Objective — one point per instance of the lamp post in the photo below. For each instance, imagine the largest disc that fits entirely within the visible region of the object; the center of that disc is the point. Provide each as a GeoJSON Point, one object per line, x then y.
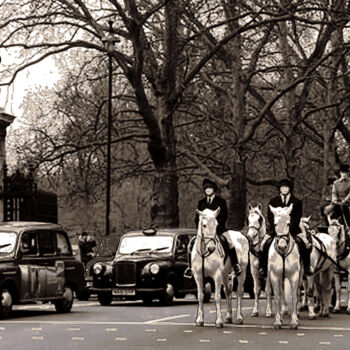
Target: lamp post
{"type": "Point", "coordinates": [109, 42]}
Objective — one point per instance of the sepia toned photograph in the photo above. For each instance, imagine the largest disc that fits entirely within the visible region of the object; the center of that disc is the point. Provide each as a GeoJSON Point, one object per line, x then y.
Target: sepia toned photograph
{"type": "Point", "coordinates": [174, 174]}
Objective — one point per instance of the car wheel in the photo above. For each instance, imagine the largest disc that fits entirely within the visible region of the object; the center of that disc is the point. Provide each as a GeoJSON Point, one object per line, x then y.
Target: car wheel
{"type": "Point", "coordinates": [207, 292]}
{"type": "Point", "coordinates": [105, 299]}
{"type": "Point", "coordinates": [82, 296]}
{"type": "Point", "coordinates": [6, 302]}
{"type": "Point", "coordinates": [168, 296]}
{"type": "Point", "coordinates": [65, 304]}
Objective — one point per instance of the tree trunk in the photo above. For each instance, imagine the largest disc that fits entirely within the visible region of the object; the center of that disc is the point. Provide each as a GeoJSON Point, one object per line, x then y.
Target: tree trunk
{"type": "Point", "coordinates": [238, 197]}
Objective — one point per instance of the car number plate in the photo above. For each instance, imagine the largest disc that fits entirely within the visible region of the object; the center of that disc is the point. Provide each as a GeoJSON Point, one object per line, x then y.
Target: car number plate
{"type": "Point", "coordinates": [123, 291]}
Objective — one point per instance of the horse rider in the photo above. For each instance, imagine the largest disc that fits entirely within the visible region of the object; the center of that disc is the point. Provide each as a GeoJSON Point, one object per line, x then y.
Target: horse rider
{"type": "Point", "coordinates": [285, 199]}
{"type": "Point", "coordinates": [341, 195]}
{"type": "Point", "coordinates": [213, 201]}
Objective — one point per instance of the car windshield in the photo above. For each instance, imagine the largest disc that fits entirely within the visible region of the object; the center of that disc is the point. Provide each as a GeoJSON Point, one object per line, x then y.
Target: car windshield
{"type": "Point", "coordinates": [7, 242]}
{"type": "Point", "coordinates": [146, 244]}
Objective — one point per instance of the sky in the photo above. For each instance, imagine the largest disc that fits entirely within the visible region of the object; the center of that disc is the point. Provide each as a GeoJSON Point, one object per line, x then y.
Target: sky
{"type": "Point", "coordinates": [44, 73]}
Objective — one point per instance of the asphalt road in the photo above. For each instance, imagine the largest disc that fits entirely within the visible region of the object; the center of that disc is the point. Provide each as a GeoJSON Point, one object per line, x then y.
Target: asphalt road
{"type": "Point", "coordinates": [132, 325]}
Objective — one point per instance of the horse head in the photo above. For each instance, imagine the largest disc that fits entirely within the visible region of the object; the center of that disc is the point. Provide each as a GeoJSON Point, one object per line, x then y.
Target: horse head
{"type": "Point", "coordinates": [207, 222]}
{"type": "Point", "coordinates": [336, 231]}
{"type": "Point", "coordinates": [282, 223]}
{"type": "Point", "coordinates": [256, 224]}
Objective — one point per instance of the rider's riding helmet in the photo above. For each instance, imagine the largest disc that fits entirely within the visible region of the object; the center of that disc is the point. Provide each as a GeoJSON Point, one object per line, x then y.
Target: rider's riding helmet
{"type": "Point", "coordinates": [208, 183]}
{"type": "Point", "coordinates": [286, 182]}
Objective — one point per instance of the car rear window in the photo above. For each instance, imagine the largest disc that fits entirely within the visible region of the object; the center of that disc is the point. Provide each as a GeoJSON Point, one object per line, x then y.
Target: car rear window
{"type": "Point", "coordinates": [47, 242]}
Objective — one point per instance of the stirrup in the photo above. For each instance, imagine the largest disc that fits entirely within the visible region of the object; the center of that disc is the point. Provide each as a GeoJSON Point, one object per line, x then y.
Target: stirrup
{"type": "Point", "coordinates": [188, 273]}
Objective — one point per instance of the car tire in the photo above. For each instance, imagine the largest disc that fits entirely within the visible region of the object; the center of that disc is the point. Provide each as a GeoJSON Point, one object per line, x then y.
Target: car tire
{"type": "Point", "coordinates": [65, 305]}
{"type": "Point", "coordinates": [168, 296]}
{"type": "Point", "coordinates": [6, 302]}
{"type": "Point", "coordinates": [105, 299]}
{"type": "Point", "coordinates": [82, 296]}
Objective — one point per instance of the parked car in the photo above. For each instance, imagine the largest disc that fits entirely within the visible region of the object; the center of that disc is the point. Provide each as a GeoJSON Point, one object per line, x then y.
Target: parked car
{"type": "Point", "coordinates": [37, 264]}
{"type": "Point", "coordinates": [104, 252]}
{"type": "Point", "coordinates": [148, 265]}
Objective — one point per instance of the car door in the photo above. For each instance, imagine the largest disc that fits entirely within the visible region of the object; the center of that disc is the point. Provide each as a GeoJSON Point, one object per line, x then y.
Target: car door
{"type": "Point", "coordinates": [32, 275]}
{"type": "Point", "coordinates": [52, 266]}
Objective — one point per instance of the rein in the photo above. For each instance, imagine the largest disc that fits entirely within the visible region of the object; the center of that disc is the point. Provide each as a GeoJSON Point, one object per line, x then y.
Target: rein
{"type": "Point", "coordinates": [252, 245]}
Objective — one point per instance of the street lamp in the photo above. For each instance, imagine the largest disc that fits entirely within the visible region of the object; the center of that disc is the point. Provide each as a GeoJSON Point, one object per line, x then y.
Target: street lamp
{"type": "Point", "coordinates": [109, 42]}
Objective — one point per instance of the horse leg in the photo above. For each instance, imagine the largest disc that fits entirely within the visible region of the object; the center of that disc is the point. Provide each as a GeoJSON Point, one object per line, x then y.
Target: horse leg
{"type": "Point", "coordinates": [326, 291]}
{"type": "Point", "coordinates": [348, 294]}
{"type": "Point", "coordinates": [228, 286]}
{"type": "Point", "coordinates": [268, 311]}
{"type": "Point", "coordinates": [294, 283]}
{"type": "Point", "coordinates": [257, 287]}
{"type": "Point", "coordinates": [200, 296]}
{"type": "Point", "coordinates": [303, 298]}
{"type": "Point", "coordinates": [218, 283]}
{"type": "Point", "coordinates": [310, 297]}
{"type": "Point", "coordinates": [240, 291]}
{"type": "Point", "coordinates": [336, 308]}
{"type": "Point", "coordinates": [275, 282]}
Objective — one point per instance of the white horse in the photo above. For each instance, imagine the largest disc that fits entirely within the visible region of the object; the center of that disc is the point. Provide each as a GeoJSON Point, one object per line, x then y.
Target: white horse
{"type": "Point", "coordinates": [209, 262]}
{"type": "Point", "coordinates": [322, 253]}
{"type": "Point", "coordinates": [256, 233]}
{"type": "Point", "coordinates": [284, 263]}
{"type": "Point", "coordinates": [338, 232]}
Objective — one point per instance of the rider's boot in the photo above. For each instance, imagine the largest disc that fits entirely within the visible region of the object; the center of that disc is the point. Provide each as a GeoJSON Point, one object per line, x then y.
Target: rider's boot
{"type": "Point", "coordinates": [309, 271]}
{"type": "Point", "coordinates": [234, 260]}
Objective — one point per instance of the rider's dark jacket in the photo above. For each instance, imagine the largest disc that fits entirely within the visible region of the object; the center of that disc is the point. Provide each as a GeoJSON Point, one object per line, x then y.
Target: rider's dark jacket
{"type": "Point", "coordinates": [295, 214]}
{"type": "Point", "coordinates": [216, 203]}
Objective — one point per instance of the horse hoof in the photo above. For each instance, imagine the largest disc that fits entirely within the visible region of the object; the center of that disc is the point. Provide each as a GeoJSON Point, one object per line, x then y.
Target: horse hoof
{"type": "Point", "coordinates": [268, 315]}
{"type": "Point", "coordinates": [312, 317]}
{"type": "Point", "coordinates": [219, 325]}
{"type": "Point", "coordinates": [239, 321]}
{"type": "Point", "coordinates": [254, 314]}
{"type": "Point", "coordinates": [294, 326]}
{"type": "Point", "coordinates": [336, 311]}
{"type": "Point", "coordinates": [276, 326]}
{"type": "Point", "coordinates": [228, 320]}
{"type": "Point", "coordinates": [200, 324]}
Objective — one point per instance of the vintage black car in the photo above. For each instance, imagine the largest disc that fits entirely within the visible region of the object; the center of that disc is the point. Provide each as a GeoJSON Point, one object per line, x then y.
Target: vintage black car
{"type": "Point", "coordinates": [37, 264]}
{"type": "Point", "coordinates": [148, 265]}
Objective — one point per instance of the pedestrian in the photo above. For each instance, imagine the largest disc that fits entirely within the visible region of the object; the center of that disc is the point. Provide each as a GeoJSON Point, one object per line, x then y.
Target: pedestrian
{"type": "Point", "coordinates": [284, 199]}
{"type": "Point", "coordinates": [213, 201]}
{"type": "Point", "coordinates": [341, 195]}
{"type": "Point", "coordinates": [86, 244]}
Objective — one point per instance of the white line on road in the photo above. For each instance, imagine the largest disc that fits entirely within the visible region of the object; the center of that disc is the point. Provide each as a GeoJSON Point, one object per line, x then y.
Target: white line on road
{"type": "Point", "coordinates": [283, 342]}
{"type": "Point", "coordinates": [150, 330]}
{"type": "Point", "coordinates": [2, 328]}
{"type": "Point", "coordinates": [324, 343]}
{"type": "Point", "coordinates": [162, 339]}
{"type": "Point", "coordinates": [37, 337]}
{"type": "Point", "coordinates": [338, 335]}
{"type": "Point", "coordinates": [73, 329]}
{"type": "Point", "coordinates": [167, 318]}
{"type": "Point", "coordinates": [204, 340]}
{"type": "Point", "coordinates": [243, 341]}
{"type": "Point", "coordinates": [188, 331]}
{"type": "Point", "coordinates": [111, 329]}
{"type": "Point", "coordinates": [120, 339]}
{"type": "Point", "coordinates": [300, 334]}
{"type": "Point", "coordinates": [262, 333]}
{"type": "Point", "coordinates": [227, 332]}
{"type": "Point", "coordinates": [77, 338]}
{"type": "Point", "coordinates": [37, 329]}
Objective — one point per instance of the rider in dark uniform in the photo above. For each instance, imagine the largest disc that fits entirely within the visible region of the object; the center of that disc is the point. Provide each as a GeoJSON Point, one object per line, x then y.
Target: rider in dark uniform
{"type": "Point", "coordinates": [285, 199]}
{"type": "Point", "coordinates": [212, 201]}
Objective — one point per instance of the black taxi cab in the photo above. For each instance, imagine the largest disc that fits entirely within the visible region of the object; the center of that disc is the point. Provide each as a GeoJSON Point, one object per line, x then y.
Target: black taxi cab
{"type": "Point", "coordinates": [149, 264]}
{"type": "Point", "coordinates": [37, 264]}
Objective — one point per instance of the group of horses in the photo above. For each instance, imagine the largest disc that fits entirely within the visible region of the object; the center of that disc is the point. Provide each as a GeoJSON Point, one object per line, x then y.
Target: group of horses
{"type": "Point", "coordinates": [285, 275]}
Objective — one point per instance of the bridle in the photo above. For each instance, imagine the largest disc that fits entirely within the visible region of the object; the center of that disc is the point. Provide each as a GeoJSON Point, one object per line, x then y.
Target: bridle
{"type": "Point", "coordinates": [253, 243]}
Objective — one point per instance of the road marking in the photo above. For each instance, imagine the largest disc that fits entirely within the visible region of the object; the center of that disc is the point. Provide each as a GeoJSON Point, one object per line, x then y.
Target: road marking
{"type": "Point", "coordinates": [227, 332]}
{"type": "Point", "coordinates": [167, 318]}
{"type": "Point", "coordinates": [242, 341]}
{"type": "Point", "coordinates": [0, 338]}
{"type": "Point", "coordinates": [120, 339]}
{"type": "Point", "coordinates": [324, 343]}
{"type": "Point", "coordinates": [73, 329]}
{"type": "Point", "coordinates": [150, 330]}
{"type": "Point", "coordinates": [2, 328]}
{"type": "Point", "coordinates": [283, 342]}
{"type": "Point", "coordinates": [162, 339]}
{"type": "Point", "coordinates": [204, 340]}
{"type": "Point", "coordinates": [338, 335]}
{"type": "Point", "coordinates": [300, 334]}
{"type": "Point", "coordinates": [38, 337]}
{"type": "Point", "coordinates": [77, 338]}
{"type": "Point", "coordinates": [111, 329]}
{"type": "Point", "coordinates": [262, 333]}
{"type": "Point", "coordinates": [37, 329]}
{"type": "Point", "coordinates": [188, 331]}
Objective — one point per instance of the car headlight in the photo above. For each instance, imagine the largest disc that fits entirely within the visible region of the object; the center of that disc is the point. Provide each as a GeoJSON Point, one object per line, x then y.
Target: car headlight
{"type": "Point", "coordinates": [97, 268]}
{"type": "Point", "coordinates": [154, 269]}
